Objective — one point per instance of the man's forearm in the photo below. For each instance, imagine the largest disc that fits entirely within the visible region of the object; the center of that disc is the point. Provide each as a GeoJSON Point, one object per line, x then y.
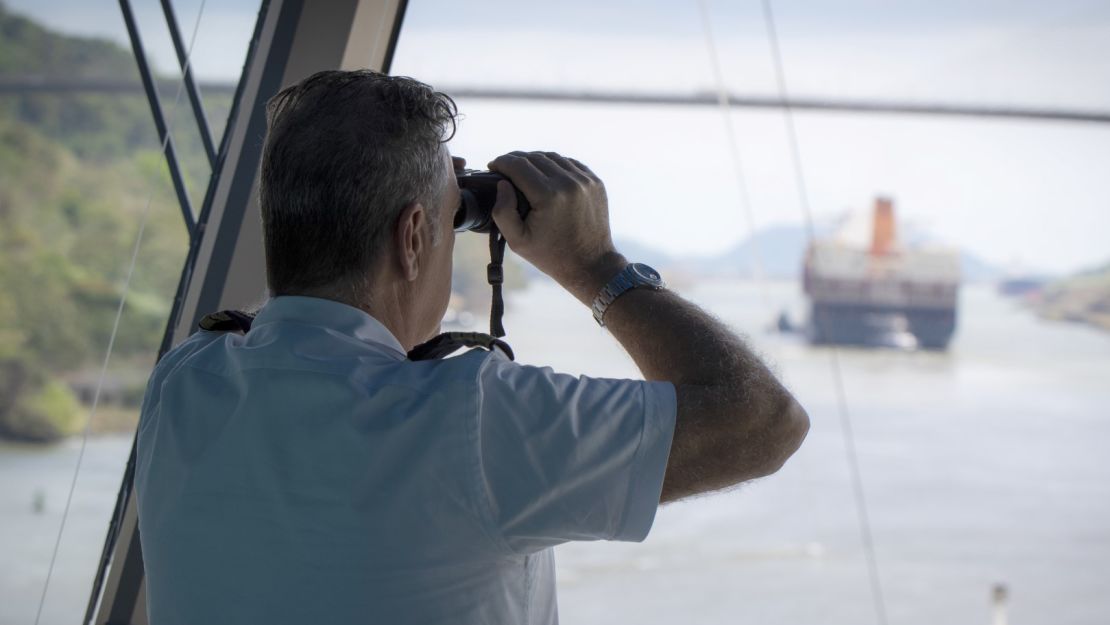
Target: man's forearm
{"type": "Point", "coordinates": [669, 338]}
{"type": "Point", "coordinates": [735, 420]}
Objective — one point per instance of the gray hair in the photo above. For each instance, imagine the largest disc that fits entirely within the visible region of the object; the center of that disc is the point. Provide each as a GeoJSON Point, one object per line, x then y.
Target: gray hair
{"type": "Point", "coordinates": [345, 153]}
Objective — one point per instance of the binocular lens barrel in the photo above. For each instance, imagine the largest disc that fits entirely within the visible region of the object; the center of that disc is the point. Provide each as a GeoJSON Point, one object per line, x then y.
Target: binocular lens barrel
{"type": "Point", "coordinates": [479, 193]}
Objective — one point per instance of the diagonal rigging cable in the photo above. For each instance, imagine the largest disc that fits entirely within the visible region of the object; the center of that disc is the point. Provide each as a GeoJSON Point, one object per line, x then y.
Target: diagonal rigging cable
{"type": "Point", "coordinates": [115, 326]}
{"type": "Point", "coordinates": [834, 353]}
{"type": "Point", "coordinates": [758, 271]}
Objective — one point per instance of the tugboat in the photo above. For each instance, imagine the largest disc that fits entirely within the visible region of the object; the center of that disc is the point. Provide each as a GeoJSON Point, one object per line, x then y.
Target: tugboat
{"type": "Point", "coordinates": [887, 294]}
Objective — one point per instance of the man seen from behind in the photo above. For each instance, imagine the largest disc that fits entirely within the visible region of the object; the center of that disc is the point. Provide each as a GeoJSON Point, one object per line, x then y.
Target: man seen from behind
{"type": "Point", "coordinates": [309, 471]}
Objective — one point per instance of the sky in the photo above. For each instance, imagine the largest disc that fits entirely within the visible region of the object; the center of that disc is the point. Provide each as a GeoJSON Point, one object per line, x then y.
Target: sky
{"type": "Point", "coordinates": [1030, 196]}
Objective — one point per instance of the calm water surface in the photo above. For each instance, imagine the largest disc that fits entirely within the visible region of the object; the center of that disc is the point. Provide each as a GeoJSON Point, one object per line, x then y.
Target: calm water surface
{"type": "Point", "coordinates": [987, 464]}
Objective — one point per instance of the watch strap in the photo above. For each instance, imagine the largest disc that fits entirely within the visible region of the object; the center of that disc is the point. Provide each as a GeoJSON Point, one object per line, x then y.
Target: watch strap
{"type": "Point", "coordinates": [626, 280]}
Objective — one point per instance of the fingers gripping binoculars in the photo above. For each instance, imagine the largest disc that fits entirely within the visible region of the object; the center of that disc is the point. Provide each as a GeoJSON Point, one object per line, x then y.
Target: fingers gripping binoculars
{"type": "Point", "coordinates": [479, 193]}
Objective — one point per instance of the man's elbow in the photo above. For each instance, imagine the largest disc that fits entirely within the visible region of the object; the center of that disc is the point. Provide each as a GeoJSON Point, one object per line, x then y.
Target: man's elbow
{"type": "Point", "coordinates": [785, 432]}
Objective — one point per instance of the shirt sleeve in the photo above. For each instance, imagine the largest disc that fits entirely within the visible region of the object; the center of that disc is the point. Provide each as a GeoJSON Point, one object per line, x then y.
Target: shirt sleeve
{"type": "Point", "coordinates": [570, 458]}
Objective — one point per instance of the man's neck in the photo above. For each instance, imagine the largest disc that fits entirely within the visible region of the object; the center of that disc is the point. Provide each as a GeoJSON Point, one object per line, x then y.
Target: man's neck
{"type": "Point", "coordinates": [392, 307]}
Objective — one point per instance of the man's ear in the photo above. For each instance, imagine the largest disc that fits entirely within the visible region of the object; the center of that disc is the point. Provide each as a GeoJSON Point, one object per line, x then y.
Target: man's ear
{"type": "Point", "coordinates": [410, 238]}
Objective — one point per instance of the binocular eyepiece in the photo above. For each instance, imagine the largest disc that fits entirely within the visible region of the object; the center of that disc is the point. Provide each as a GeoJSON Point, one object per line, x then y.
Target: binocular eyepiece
{"type": "Point", "coordinates": [479, 192]}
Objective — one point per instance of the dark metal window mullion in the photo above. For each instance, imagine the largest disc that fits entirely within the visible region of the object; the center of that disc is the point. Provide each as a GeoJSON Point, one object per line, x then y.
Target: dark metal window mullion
{"type": "Point", "coordinates": [190, 83]}
{"type": "Point", "coordinates": [159, 119]}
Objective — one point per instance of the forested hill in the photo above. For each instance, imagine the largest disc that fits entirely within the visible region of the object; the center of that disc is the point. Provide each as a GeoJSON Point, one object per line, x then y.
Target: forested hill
{"type": "Point", "coordinates": [94, 126]}
{"type": "Point", "coordinates": [76, 172]}
{"type": "Point", "coordinates": [26, 47]}
{"type": "Point", "coordinates": [1084, 298]}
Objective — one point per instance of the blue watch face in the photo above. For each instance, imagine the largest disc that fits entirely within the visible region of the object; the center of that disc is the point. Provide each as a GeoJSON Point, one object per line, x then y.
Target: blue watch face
{"type": "Point", "coordinates": [646, 273]}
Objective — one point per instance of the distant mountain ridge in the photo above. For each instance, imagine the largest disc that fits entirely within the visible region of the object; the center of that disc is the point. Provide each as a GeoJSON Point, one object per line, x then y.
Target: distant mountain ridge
{"type": "Point", "coordinates": [26, 47]}
{"type": "Point", "coordinates": [776, 251]}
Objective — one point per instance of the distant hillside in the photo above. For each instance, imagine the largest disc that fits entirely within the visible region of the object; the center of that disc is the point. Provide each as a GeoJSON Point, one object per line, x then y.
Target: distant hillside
{"type": "Point", "coordinates": [28, 48]}
{"type": "Point", "coordinates": [100, 126]}
{"type": "Point", "coordinates": [96, 126]}
{"type": "Point", "coordinates": [76, 172]}
{"type": "Point", "coordinates": [781, 250]}
{"type": "Point", "coordinates": [1083, 298]}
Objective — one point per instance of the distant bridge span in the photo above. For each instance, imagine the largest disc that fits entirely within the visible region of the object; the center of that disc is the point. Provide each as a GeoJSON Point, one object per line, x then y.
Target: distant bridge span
{"type": "Point", "coordinates": [26, 85]}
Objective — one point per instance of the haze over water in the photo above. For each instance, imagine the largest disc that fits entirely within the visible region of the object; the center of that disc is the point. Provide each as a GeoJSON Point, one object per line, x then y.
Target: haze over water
{"type": "Point", "coordinates": [982, 465]}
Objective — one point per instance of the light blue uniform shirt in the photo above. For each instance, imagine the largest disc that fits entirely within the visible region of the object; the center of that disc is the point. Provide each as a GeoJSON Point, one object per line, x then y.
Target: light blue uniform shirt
{"type": "Point", "coordinates": [309, 473]}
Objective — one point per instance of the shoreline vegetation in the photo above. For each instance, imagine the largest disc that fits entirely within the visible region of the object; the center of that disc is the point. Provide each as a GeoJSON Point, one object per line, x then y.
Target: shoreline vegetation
{"type": "Point", "coordinates": [1084, 298]}
{"type": "Point", "coordinates": [112, 420]}
{"type": "Point", "coordinates": [76, 172]}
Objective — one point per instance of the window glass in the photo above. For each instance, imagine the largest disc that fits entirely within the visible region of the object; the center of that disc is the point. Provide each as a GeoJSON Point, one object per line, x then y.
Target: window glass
{"type": "Point", "coordinates": [978, 343]}
{"type": "Point", "coordinates": [81, 175]}
{"type": "Point", "coordinates": [980, 454]}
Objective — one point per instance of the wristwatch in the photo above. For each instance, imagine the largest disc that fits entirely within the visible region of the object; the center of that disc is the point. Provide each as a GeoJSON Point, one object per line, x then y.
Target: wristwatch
{"type": "Point", "coordinates": [634, 275]}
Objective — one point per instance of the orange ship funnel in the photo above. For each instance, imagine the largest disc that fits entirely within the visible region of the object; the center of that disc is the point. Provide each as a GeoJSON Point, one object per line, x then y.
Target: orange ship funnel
{"type": "Point", "coordinates": [884, 237]}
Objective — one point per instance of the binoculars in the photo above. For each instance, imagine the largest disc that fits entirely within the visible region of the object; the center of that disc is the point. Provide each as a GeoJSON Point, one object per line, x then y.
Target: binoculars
{"type": "Point", "coordinates": [479, 192]}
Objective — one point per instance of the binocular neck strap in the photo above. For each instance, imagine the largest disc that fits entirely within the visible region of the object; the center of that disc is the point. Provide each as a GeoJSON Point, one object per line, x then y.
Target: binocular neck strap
{"type": "Point", "coordinates": [239, 322]}
{"type": "Point", "coordinates": [495, 275]}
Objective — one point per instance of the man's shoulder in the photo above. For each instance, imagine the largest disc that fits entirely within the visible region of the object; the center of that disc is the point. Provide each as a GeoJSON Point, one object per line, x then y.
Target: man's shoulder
{"type": "Point", "coordinates": [476, 368]}
{"type": "Point", "coordinates": [465, 368]}
{"type": "Point", "coordinates": [189, 347]}
{"type": "Point", "coordinates": [218, 353]}
{"type": "Point", "coordinates": [184, 352]}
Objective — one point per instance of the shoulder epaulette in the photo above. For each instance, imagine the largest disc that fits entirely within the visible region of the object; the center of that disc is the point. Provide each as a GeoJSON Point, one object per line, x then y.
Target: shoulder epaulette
{"type": "Point", "coordinates": [449, 342]}
{"type": "Point", "coordinates": [228, 321]}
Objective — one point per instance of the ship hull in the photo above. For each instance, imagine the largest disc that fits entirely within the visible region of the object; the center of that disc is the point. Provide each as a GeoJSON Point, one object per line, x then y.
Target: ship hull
{"type": "Point", "coordinates": [881, 326]}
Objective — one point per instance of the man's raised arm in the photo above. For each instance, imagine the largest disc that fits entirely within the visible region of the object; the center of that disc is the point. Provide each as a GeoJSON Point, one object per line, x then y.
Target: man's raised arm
{"type": "Point", "coordinates": [735, 421]}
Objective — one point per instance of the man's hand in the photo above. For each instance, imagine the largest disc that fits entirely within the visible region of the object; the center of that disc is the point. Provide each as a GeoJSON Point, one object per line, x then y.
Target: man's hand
{"type": "Point", "coordinates": [566, 235]}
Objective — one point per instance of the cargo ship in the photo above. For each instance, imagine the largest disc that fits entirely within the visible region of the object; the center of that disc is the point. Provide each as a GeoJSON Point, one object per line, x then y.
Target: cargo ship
{"type": "Point", "coordinates": [882, 294]}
